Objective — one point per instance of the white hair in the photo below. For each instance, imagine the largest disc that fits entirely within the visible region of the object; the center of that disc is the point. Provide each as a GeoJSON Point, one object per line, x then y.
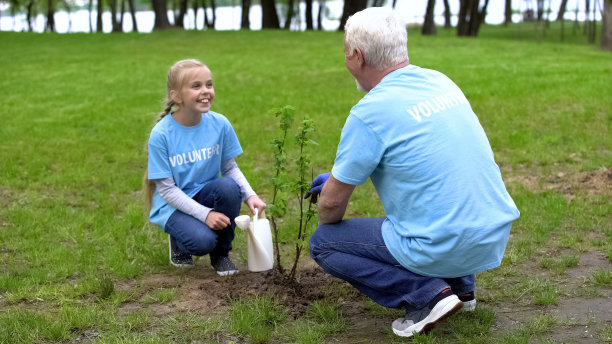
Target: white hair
{"type": "Point", "coordinates": [380, 34]}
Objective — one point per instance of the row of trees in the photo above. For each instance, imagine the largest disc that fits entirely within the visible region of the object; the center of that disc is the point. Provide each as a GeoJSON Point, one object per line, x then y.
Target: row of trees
{"type": "Point", "coordinates": [471, 14]}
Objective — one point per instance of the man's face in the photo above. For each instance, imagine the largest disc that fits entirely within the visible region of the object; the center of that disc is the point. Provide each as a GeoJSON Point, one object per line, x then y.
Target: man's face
{"type": "Point", "coordinates": [350, 60]}
{"type": "Point", "coordinates": [352, 64]}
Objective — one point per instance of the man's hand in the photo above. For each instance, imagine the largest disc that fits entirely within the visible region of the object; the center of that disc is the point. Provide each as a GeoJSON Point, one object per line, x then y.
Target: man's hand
{"type": "Point", "coordinates": [316, 186]}
{"type": "Point", "coordinates": [254, 202]}
{"type": "Point", "coordinates": [217, 221]}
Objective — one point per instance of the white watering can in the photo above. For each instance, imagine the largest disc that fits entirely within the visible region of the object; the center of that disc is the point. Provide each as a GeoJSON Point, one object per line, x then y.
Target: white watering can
{"type": "Point", "coordinates": [259, 242]}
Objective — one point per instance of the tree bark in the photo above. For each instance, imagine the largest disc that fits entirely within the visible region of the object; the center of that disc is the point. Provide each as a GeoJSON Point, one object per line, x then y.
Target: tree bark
{"type": "Point", "coordinates": [50, 26]}
{"type": "Point", "coordinates": [160, 9]}
{"type": "Point", "coordinates": [606, 26]}
{"type": "Point", "coordinates": [470, 17]}
{"type": "Point", "coordinates": [99, 9]}
{"type": "Point", "coordinates": [180, 22]}
{"type": "Point", "coordinates": [351, 7]}
{"type": "Point", "coordinates": [213, 7]}
{"type": "Point", "coordinates": [429, 27]}
{"type": "Point", "coordinates": [309, 24]}
{"type": "Point", "coordinates": [245, 24]}
{"type": "Point", "coordinates": [115, 25]}
{"type": "Point", "coordinates": [89, 8]}
{"type": "Point", "coordinates": [269, 17]}
{"type": "Point", "coordinates": [540, 4]}
{"type": "Point", "coordinates": [562, 10]}
{"type": "Point", "coordinates": [30, 12]}
{"type": "Point", "coordinates": [320, 15]}
{"type": "Point", "coordinates": [133, 14]}
{"type": "Point", "coordinates": [289, 14]}
{"type": "Point", "coordinates": [508, 13]}
{"type": "Point", "coordinates": [447, 15]}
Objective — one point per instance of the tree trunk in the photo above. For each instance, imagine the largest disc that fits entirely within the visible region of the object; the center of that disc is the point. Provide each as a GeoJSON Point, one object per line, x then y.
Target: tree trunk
{"type": "Point", "coordinates": [561, 10]}
{"type": "Point", "coordinates": [89, 8]}
{"type": "Point", "coordinates": [213, 7]}
{"type": "Point", "coordinates": [180, 22]}
{"type": "Point", "coordinates": [133, 14]}
{"type": "Point", "coordinates": [269, 17]}
{"type": "Point", "coordinates": [50, 27]}
{"type": "Point", "coordinates": [30, 12]}
{"type": "Point", "coordinates": [309, 24]}
{"type": "Point", "coordinates": [115, 24]}
{"type": "Point", "coordinates": [122, 14]}
{"type": "Point", "coordinates": [447, 15]}
{"type": "Point", "coordinates": [462, 22]}
{"type": "Point", "coordinates": [483, 14]}
{"type": "Point", "coordinates": [470, 17]}
{"type": "Point", "coordinates": [429, 27]}
{"type": "Point", "coordinates": [161, 15]}
{"type": "Point", "coordinates": [394, 3]}
{"type": "Point", "coordinates": [99, 8]}
{"type": "Point", "coordinates": [351, 7]}
{"type": "Point", "coordinates": [320, 15]}
{"type": "Point", "coordinates": [289, 14]}
{"type": "Point", "coordinates": [246, 9]}
{"type": "Point", "coordinates": [606, 26]}
{"type": "Point", "coordinates": [587, 17]}
{"type": "Point", "coordinates": [508, 13]}
{"type": "Point", "coordinates": [540, 4]}
{"type": "Point", "coordinates": [207, 22]}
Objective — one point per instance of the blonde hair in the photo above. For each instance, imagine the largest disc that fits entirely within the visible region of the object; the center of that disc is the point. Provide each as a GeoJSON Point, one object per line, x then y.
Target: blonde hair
{"type": "Point", "coordinates": [176, 78]}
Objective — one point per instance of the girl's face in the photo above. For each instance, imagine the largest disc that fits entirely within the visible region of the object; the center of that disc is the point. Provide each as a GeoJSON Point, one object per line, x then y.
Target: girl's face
{"type": "Point", "coordinates": [197, 93]}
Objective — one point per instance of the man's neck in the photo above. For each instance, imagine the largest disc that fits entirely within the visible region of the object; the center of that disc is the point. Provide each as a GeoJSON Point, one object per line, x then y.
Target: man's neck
{"type": "Point", "coordinates": [374, 76]}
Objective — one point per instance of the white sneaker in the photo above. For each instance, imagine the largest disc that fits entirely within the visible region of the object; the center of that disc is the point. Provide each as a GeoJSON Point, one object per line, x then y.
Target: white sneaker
{"type": "Point", "coordinates": [425, 319]}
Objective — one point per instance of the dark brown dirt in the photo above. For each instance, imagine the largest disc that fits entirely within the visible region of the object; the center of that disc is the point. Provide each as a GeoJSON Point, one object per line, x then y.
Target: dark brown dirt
{"type": "Point", "coordinates": [580, 318]}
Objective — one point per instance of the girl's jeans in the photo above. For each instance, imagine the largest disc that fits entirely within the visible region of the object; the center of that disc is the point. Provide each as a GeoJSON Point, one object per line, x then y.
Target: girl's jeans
{"type": "Point", "coordinates": [196, 238]}
{"type": "Point", "coordinates": [354, 250]}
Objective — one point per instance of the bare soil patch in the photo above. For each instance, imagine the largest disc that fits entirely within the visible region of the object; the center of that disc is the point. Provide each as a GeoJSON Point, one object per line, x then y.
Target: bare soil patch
{"type": "Point", "coordinates": [569, 184]}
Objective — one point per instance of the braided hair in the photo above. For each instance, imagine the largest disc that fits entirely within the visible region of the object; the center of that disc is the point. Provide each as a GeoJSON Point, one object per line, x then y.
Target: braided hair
{"type": "Point", "coordinates": [176, 78]}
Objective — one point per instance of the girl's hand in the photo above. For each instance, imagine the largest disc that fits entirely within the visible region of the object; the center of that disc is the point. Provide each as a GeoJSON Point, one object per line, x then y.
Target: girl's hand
{"type": "Point", "coordinates": [254, 202]}
{"type": "Point", "coordinates": [217, 221]}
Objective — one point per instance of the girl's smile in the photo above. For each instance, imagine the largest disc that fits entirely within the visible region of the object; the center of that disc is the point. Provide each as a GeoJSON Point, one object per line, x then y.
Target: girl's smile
{"type": "Point", "coordinates": [195, 96]}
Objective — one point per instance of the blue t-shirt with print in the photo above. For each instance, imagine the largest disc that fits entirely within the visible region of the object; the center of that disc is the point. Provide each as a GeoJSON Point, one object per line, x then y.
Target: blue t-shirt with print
{"type": "Point", "coordinates": [190, 155]}
{"type": "Point", "coordinates": [416, 137]}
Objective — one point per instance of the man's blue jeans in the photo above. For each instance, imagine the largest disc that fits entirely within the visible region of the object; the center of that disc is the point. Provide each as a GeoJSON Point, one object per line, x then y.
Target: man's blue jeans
{"type": "Point", "coordinates": [196, 238]}
{"type": "Point", "coordinates": [354, 250]}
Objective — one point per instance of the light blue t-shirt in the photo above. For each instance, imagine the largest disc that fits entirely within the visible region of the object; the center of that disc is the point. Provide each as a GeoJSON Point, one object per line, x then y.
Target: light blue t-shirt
{"type": "Point", "coordinates": [190, 155]}
{"type": "Point", "coordinates": [416, 137]}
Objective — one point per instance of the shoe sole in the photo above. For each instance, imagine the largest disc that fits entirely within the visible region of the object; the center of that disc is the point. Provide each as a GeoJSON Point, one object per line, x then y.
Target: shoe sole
{"type": "Point", "coordinates": [442, 310]}
{"type": "Point", "coordinates": [226, 273]}
{"type": "Point", "coordinates": [170, 257]}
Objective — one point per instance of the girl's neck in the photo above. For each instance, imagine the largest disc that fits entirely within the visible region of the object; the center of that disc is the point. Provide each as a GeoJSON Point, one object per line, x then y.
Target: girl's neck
{"type": "Point", "coordinates": [187, 119]}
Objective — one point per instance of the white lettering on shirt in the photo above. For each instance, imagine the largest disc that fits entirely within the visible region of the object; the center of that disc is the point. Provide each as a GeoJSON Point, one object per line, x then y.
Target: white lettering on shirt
{"type": "Point", "coordinates": [194, 156]}
{"type": "Point", "coordinates": [436, 104]}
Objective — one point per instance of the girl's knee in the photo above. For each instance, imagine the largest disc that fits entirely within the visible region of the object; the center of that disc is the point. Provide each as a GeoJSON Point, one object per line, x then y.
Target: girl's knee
{"type": "Point", "coordinates": [200, 245]}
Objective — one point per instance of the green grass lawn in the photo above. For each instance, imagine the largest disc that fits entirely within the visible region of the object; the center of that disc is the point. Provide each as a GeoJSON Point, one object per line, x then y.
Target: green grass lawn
{"type": "Point", "coordinates": [78, 108]}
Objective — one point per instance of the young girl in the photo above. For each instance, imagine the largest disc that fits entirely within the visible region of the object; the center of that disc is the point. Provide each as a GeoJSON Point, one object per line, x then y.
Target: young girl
{"type": "Point", "coordinates": [188, 147]}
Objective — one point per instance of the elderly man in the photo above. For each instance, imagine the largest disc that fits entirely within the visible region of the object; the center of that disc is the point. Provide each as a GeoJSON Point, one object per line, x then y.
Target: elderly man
{"type": "Point", "coordinates": [448, 214]}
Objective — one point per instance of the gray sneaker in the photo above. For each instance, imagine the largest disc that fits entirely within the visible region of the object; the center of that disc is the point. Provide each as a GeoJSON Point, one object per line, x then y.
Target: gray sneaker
{"type": "Point", "coordinates": [425, 319]}
{"type": "Point", "coordinates": [178, 258]}
{"type": "Point", "coordinates": [223, 265]}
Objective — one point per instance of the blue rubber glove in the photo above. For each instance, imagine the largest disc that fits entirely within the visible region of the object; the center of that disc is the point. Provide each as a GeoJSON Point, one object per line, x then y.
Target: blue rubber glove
{"type": "Point", "coordinates": [316, 186]}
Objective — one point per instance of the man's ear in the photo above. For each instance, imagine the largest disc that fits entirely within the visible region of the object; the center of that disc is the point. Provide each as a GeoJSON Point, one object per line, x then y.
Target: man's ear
{"type": "Point", "coordinates": [359, 54]}
{"type": "Point", "coordinates": [175, 97]}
